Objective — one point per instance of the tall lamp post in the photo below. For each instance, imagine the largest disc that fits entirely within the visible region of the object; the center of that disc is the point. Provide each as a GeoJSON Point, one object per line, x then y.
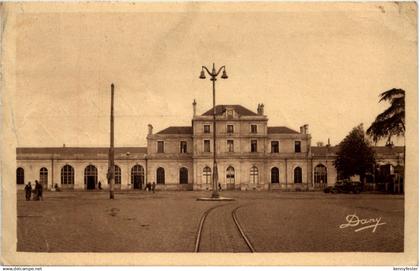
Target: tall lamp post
{"type": "Point", "coordinates": [111, 166]}
{"type": "Point", "coordinates": [213, 77]}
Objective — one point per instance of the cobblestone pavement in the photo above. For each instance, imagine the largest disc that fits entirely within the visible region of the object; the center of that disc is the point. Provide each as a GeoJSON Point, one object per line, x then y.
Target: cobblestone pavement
{"type": "Point", "coordinates": [168, 222]}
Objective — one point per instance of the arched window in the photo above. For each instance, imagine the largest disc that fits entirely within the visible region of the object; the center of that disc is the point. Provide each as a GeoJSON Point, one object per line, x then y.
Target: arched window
{"type": "Point", "coordinates": [183, 175]}
{"type": "Point", "coordinates": [253, 175]}
{"type": "Point", "coordinates": [20, 176]}
{"type": "Point", "coordinates": [117, 174]}
{"type": "Point", "coordinates": [298, 175]}
{"type": "Point", "coordinates": [160, 176]}
{"type": "Point", "coordinates": [275, 175]}
{"type": "Point", "coordinates": [320, 175]}
{"type": "Point", "coordinates": [67, 175]}
{"type": "Point", "coordinates": [137, 176]}
{"type": "Point", "coordinates": [206, 175]}
{"type": "Point", "coordinates": [91, 177]}
{"type": "Point", "coordinates": [43, 176]}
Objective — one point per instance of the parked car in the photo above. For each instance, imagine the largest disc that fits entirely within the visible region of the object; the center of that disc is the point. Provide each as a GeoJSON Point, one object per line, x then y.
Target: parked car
{"type": "Point", "coordinates": [345, 186]}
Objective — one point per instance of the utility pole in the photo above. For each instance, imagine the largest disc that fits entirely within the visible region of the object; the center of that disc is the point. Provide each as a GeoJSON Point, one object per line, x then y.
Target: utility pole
{"type": "Point", "coordinates": [111, 166]}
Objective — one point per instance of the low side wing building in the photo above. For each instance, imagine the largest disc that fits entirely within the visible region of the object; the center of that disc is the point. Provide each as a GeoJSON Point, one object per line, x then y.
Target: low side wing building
{"type": "Point", "coordinates": [250, 154]}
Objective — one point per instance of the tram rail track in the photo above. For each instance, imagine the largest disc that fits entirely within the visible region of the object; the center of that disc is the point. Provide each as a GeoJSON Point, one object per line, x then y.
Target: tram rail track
{"type": "Point", "coordinates": [235, 220]}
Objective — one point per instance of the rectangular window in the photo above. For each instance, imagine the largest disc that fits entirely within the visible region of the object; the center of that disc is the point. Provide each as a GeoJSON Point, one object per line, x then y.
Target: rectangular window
{"type": "Point", "coordinates": [183, 147]}
{"type": "Point", "coordinates": [229, 114]}
{"type": "Point", "coordinates": [253, 128]}
{"type": "Point", "coordinates": [297, 146]}
{"type": "Point", "coordinates": [274, 146]}
{"type": "Point", "coordinates": [206, 129]}
{"type": "Point", "coordinates": [206, 145]}
{"type": "Point", "coordinates": [230, 129]}
{"type": "Point", "coordinates": [253, 145]}
{"type": "Point", "coordinates": [160, 147]}
{"type": "Point", "coordinates": [230, 146]}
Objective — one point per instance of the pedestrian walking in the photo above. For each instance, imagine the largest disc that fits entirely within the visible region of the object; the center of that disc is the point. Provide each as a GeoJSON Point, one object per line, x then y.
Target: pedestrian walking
{"type": "Point", "coordinates": [220, 187]}
{"type": "Point", "coordinates": [38, 191]}
{"type": "Point", "coordinates": [99, 185]}
{"type": "Point", "coordinates": [28, 191]}
{"type": "Point", "coordinates": [153, 187]}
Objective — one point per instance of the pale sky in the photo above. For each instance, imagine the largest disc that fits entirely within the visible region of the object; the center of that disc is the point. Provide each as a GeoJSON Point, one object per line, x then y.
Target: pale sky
{"type": "Point", "coordinates": [317, 64]}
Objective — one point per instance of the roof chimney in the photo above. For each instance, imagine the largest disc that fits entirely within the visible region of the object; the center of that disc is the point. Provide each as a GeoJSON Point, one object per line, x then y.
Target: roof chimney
{"type": "Point", "coordinates": [150, 129]}
{"type": "Point", "coordinates": [194, 104]}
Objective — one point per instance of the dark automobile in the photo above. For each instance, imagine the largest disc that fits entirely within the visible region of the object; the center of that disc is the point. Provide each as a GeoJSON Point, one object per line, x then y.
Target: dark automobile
{"type": "Point", "coordinates": [345, 186]}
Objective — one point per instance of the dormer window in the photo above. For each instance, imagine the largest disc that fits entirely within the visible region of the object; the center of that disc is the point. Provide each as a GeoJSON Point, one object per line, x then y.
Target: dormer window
{"type": "Point", "coordinates": [229, 113]}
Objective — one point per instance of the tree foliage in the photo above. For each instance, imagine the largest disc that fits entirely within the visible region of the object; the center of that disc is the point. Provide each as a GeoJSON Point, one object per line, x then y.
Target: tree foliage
{"type": "Point", "coordinates": [390, 122]}
{"type": "Point", "coordinates": [355, 154]}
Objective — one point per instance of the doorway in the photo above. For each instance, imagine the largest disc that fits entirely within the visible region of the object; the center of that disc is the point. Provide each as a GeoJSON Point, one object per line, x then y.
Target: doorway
{"type": "Point", "coordinates": [137, 177]}
{"type": "Point", "coordinates": [90, 182]}
{"type": "Point", "coordinates": [230, 178]}
{"type": "Point", "coordinates": [91, 177]}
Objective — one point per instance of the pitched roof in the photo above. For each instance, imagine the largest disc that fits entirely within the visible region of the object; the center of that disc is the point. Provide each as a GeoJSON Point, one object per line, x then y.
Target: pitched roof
{"type": "Point", "coordinates": [320, 151]}
{"type": "Point", "coordinates": [379, 150]}
{"type": "Point", "coordinates": [220, 109]}
{"type": "Point", "coordinates": [85, 153]}
{"type": "Point", "coordinates": [81, 150]}
{"type": "Point", "coordinates": [280, 130]}
{"type": "Point", "coordinates": [183, 130]}
{"type": "Point", "coordinates": [385, 150]}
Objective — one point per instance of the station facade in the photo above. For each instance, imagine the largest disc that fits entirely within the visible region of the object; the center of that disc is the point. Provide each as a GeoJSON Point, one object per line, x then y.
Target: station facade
{"type": "Point", "coordinates": [250, 156]}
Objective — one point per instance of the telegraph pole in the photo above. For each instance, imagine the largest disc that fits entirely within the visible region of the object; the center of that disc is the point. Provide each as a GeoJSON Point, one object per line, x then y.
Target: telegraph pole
{"type": "Point", "coordinates": [111, 167]}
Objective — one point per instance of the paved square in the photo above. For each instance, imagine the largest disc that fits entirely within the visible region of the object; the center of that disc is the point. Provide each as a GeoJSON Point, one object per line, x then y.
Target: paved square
{"type": "Point", "coordinates": [169, 222]}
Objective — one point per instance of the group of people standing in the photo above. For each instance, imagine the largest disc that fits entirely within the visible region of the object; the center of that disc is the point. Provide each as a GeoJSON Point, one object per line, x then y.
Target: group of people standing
{"type": "Point", "coordinates": [150, 187]}
{"type": "Point", "coordinates": [37, 191]}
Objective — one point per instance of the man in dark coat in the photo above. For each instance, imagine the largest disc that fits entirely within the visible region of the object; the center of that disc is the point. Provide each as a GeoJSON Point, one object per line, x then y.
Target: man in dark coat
{"type": "Point", "coordinates": [35, 191]}
{"type": "Point", "coordinates": [28, 191]}
{"type": "Point", "coordinates": [38, 191]}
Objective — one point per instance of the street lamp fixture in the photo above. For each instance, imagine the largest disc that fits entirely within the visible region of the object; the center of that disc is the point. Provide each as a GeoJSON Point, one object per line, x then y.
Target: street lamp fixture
{"type": "Point", "coordinates": [213, 77]}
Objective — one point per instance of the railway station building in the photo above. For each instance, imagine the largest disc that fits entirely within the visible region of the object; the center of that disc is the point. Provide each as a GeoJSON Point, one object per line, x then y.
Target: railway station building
{"type": "Point", "coordinates": [251, 155]}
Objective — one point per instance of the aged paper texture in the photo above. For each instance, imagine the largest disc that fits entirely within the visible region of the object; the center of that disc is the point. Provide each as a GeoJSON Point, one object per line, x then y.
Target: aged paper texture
{"type": "Point", "coordinates": [322, 64]}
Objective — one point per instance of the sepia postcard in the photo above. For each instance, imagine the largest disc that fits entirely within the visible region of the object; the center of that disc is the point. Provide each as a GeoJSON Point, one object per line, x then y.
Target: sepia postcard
{"type": "Point", "coordinates": [196, 133]}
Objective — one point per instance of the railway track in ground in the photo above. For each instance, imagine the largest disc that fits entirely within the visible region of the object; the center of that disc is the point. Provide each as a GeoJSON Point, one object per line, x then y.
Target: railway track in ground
{"type": "Point", "coordinates": [220, 234]}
